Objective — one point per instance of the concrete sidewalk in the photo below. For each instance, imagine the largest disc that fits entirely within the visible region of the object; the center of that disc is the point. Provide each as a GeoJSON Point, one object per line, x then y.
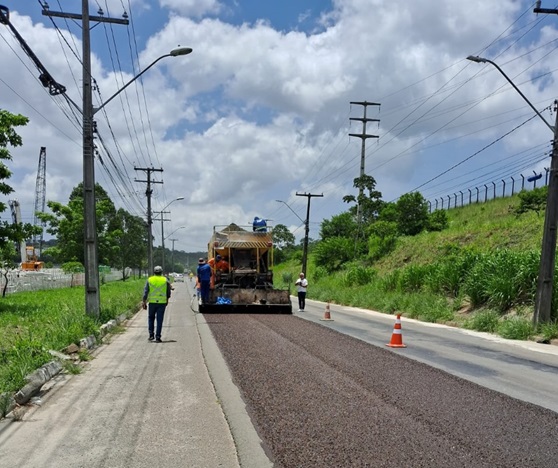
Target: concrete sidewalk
{"type": "Point", "coordinates": [141, 404]}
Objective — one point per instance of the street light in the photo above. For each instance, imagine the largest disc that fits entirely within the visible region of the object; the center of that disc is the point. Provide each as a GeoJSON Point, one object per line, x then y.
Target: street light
{"type": "Point", "coordinates": [285, 203]}
{"type": "Point", "coordinates": [543, 300]}
{"type": "Point", "coordinates": [181, 227]}
{"type": "Point", "coordinates": [162, 231]}
{"type": "Point", "coordinates": [173, 240]}
{"type": "Point", "coordinates": [305, 245]}
{"type": "Point", "coordinates": [91, 258]}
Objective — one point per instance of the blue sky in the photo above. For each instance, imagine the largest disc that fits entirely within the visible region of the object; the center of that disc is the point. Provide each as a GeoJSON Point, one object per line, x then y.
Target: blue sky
{"type": "Point", "coordinates": [261, 109]}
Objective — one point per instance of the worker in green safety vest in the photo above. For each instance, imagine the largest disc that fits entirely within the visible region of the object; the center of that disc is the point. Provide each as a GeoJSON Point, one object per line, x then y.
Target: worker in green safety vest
{"type": "Point", "coordinates": [157, 292]}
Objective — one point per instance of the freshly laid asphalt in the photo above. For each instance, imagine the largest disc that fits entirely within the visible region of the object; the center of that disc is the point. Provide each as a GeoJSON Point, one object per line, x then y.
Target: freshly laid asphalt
{"type": "Point", "coordinates": [140, 404]}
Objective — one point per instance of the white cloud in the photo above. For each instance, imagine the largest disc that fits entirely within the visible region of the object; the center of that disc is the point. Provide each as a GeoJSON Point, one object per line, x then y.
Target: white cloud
{"type": "Point", "coordinates": [255, 114]}
{"type": "Point", "coordinates": [193, 8]}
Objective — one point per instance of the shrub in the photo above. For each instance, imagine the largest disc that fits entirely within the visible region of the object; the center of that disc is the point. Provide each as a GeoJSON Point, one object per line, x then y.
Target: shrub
{"type": "Point", "coordinates": [358, 276]}
{"type": "Point", "coordinates": [532, 200]}
{"type": "Point", "coordinates": [549, 331]}
{"type": "Point", "coordinates": [516, 328]}
{"type": "Point", "coordinates": [390, 282]}
{"type": "Point", "coordinates": [448, 275]}
{"type": "Point", "coordinates": [484, 321]}
{"type": "Point", "coordinates": [438, 221]}
{"type": "Point", "coordinates": [502, 279]}
{"type": "Point", "coordinates": [413, 277]}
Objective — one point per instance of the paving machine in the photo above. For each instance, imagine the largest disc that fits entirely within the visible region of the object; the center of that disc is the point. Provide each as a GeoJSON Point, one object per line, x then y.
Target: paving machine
{"type": "Point", "coordinates": [241, 259]}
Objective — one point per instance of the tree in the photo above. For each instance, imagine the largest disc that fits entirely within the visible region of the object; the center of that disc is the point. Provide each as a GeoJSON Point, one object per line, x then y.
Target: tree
{"type": "Point", "coordinates": [412, 214]}
{"type": "Point", "coordinates": [389, 213]}
{"type": "Point", "coordinates": [370, 203]}
{"type": "Point", "coordinates": [72, 268]}
{"type": "Point", "coordinates": [382, 239]}
{"type": "Point", "coordinates": [332, 253]}
{"type": "Point", "coordinates": [130, 241]}
{"type": "Point", "coordinates": [67, 224]}
{"type": "Point", "coordinates": [282, 237]}
{"type": "Point", "coordinates": [10, 233]}
{"type": "Point", "coordinates": [341, 225]}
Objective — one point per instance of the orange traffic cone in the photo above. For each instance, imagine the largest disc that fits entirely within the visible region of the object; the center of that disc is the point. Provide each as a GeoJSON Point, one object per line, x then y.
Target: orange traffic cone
{"type": "Point", "coordinates": [397, 337]}
{"type": "Point", "coordinates": [327, 315]}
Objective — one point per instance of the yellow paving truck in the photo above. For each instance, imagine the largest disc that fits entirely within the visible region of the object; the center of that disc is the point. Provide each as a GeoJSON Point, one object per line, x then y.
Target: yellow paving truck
{"type": "Point", "coordinates": [241, 259]}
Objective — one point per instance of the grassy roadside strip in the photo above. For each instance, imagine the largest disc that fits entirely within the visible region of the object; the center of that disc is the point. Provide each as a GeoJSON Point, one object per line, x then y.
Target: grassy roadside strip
{"type": "Point", "coordinates": [32, 323]}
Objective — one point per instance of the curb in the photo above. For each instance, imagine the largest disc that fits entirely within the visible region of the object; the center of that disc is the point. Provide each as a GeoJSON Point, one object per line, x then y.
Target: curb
{"type": "Point", "coordinates": [50, 370]}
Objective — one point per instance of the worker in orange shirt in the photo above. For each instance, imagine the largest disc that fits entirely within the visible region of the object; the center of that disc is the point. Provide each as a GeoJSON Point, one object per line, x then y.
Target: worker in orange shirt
{"type": "Point", "coordinates": [221, 265]}
{"type": "Point", "coordinates": [217, 264]}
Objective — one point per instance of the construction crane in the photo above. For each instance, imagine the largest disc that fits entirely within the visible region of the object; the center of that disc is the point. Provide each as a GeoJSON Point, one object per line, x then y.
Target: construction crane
{"type": "Point", "coordinates": [40, 200]}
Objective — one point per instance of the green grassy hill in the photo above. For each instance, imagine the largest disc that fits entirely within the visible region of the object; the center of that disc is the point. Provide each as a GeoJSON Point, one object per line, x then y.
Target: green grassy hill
{"type": "Point", "coordinates": [479, 273]}
{"type": "Point", "coordinates": [485, 226]}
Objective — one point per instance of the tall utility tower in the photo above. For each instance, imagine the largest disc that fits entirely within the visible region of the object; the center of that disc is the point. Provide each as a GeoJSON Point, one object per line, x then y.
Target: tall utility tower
{"type": "Point", "coordinates": [363, 136]}
{"type": "Point", "coordinates": [40, 201]}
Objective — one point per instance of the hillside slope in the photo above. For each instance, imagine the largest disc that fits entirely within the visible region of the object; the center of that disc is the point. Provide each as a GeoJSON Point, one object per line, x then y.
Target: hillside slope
{"type": "Point", "coordinates": [485, 226]}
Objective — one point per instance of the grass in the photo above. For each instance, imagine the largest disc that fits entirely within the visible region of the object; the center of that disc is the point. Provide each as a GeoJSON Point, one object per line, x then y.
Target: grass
{"type": "Point", "coordinates": [480, 274]}
{"type": "Point", "coordinates": [32, 323]}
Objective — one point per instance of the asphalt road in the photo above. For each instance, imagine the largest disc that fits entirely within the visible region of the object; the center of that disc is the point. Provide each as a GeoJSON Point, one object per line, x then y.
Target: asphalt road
{"type": "Point", "coordinates": [320, 398]}
{"type": "Point", "coordinates": [521, 369]}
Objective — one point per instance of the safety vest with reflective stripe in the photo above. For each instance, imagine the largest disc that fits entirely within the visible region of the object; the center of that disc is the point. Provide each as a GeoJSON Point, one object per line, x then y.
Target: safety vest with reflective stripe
{"type": "Point", "coordinates": [157, 289]}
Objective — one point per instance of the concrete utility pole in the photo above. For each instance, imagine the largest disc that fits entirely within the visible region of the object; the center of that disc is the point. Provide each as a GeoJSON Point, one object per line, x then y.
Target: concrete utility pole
{"type": "Point", "coordinates": [543, 301]}
{"type": "Point", "coordinates": [306, 229]}
{"type": "Point", "coordinates": [363, 136]}
{"type": "Point", "coordinates": [172, 252]}
{"type": "Point", "coordinates": [91, 259]}
{"type": "Point", "coordinates": [163, 213]}
{"type": "Point", "coordinates": [545, 283]}
{"type": "Point", "coordinates": [148, 193]}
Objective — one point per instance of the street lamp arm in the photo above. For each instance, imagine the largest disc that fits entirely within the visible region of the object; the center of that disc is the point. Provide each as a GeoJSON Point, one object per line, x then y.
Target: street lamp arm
{"type": "Point", "coordinates": [173, 53]}
{"type": "Point", "coordinates": [169, 204]}
{"type": "Point", "coordinates": [477, 59]}
{"type": "Point", "coordinates": [177, 229]}
{"type": "Point", "coordinates": [285, 203]}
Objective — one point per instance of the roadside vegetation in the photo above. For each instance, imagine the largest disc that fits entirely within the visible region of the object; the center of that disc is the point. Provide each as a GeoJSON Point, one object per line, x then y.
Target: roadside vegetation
{"type": "Point", "coordinates": [32, 323]}
{"type": "Point", "coordinates": [474, 267]}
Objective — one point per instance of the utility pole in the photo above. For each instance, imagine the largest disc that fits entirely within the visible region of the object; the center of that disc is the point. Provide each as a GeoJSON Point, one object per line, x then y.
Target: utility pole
{"type": "Point", "coordinates": [306, 228]}
{"type": "Point", "coordinates": [545, 283]}
{"type": "Point", "coordinates": [91, 259]}
{"type": "Point", "coordinates": [162, 213]}
{"type": "Point", "coordinates": [363, 136]}
{"type": "Point", "coordinates": [538, 9]}
{"type": "Point", "coordinates": [172, 252]}
{"type": "Point", "coordinates": [148, 193]}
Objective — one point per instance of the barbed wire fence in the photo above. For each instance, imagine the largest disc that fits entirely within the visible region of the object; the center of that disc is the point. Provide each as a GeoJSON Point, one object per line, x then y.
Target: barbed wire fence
{"type": "Point", "coordinates": [489, 191]}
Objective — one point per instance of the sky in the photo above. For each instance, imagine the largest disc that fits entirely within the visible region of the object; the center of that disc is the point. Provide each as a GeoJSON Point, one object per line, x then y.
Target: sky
{"type": "Point", "coordinates": [261, 109]}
